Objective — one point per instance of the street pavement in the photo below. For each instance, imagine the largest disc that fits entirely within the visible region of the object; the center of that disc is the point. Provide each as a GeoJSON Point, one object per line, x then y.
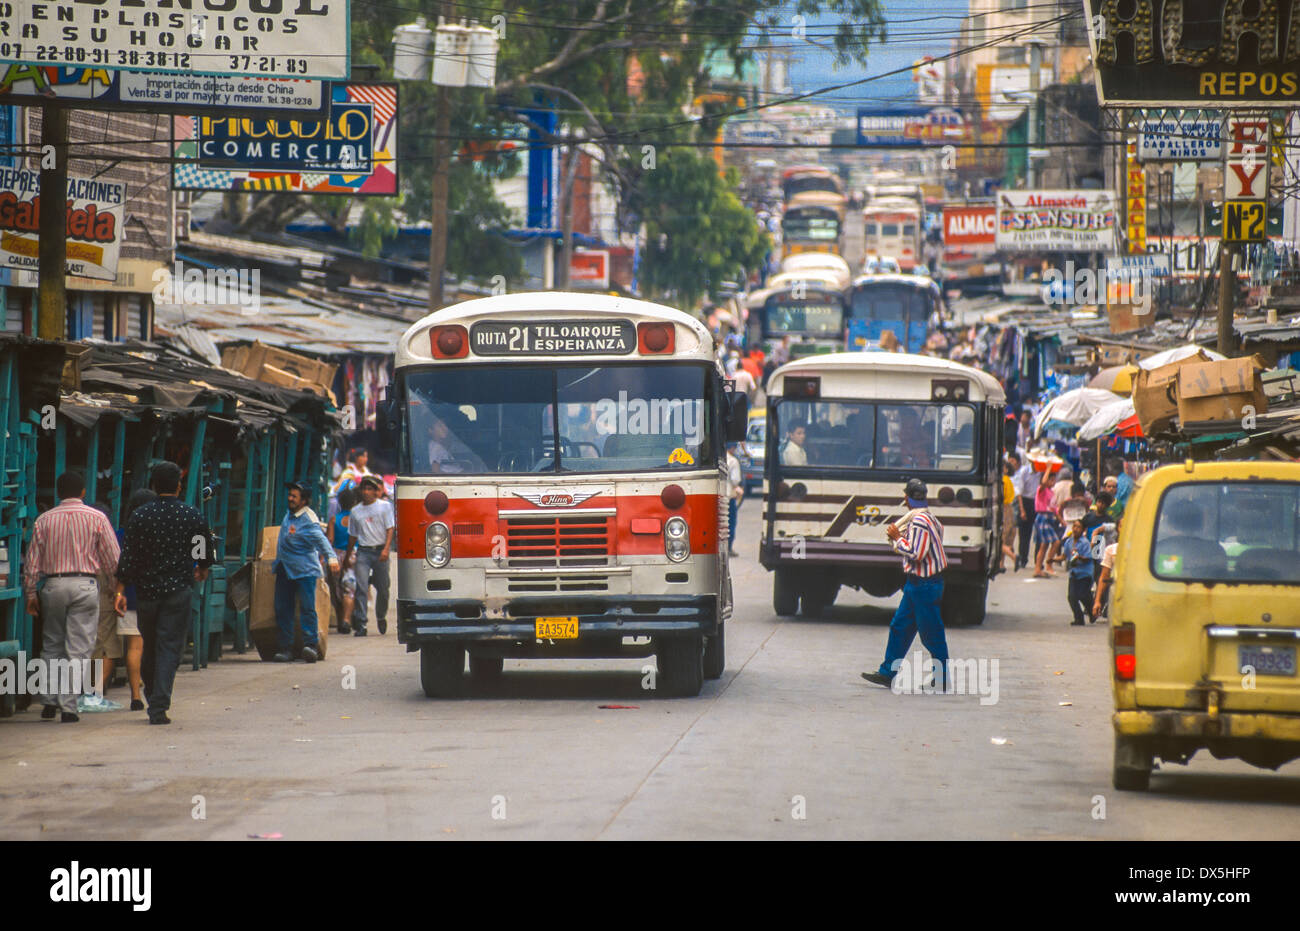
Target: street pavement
{"type": "Point", "coordinates": [790, 743]}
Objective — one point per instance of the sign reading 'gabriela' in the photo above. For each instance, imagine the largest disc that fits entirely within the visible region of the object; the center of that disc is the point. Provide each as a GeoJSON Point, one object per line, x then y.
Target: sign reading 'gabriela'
{"type": "Point", "coordinates": [1224, 53]}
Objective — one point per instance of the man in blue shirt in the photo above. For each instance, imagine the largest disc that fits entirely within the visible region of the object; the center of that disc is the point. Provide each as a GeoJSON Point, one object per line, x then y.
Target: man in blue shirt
{"type": "Point", "coordinates": [1077, 550]}
{"type": "Point", "coordinates": [299, 550]}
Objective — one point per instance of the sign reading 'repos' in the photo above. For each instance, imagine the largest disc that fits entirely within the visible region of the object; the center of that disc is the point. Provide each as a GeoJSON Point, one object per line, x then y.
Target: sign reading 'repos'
{"type": "Point", "coordinates": [553, 337]}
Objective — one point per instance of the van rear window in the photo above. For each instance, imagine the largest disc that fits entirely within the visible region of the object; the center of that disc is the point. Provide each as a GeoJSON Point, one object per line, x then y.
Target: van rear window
{"type": "Point", "coordinates": [1228, 532]}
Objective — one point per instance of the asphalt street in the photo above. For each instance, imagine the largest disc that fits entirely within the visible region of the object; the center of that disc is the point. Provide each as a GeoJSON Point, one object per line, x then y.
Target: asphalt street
{"type": "Point", "coordinates": [790, 743]}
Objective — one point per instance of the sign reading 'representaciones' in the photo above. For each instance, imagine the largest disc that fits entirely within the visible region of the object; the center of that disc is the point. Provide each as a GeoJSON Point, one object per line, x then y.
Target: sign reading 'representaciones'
{"type": "Point", "coordinates": [94, 223]}
{"type": "Point", "coordinates": [268, 38]}
{"type": "Point", "coordinates": [1195, 53]}
{"type": "Point", "coordinates": [1056, 221]}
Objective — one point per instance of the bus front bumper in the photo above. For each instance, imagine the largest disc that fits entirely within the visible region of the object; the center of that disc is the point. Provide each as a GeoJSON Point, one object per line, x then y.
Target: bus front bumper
{"type": "Point", "coordinates": [448, 620]}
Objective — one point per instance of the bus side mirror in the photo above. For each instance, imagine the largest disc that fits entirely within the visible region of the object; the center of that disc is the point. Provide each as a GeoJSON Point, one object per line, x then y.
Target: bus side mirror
{"type": "Point", "coordinates": [737, 416]}
{"type": "Point", "coordinates": [388, 415]}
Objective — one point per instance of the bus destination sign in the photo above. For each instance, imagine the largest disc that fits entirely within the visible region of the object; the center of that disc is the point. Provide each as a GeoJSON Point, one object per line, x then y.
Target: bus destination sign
{"type": "Point", "coordinates": [553, 338]}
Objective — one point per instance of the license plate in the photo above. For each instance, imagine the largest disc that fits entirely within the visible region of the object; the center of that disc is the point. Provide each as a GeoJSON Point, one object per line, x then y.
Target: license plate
{"type": "Point", "coordinates": [557, 628]}
{"type": "Point", "coordinates": [1267, 661]}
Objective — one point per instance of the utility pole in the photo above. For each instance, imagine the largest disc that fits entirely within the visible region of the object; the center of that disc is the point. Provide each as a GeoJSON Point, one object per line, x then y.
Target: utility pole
{"type": "Point", "coordinates": [1227, 292]}
{"type": "Point", "coordinates": [1035, 70]}
{"type": "Point", "coordinates": [441, 171]}
{"type": "Point", "coordinates": [51, 294]}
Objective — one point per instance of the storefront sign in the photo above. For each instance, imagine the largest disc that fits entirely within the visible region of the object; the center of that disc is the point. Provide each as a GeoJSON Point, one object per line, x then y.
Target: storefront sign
{"type": "Point", "coordinates": [268, 38]}
{"type": "Point", "coordinates": [94, 223]}
{"type": "Point", "coordinates": [881, 126]}
{"type": "Point", "coordinates": [352, 151]}
{"type": "Point", "coordinates": [1136, 201]}
{"type": "Point", "coordinates": [973, 228]}
{"type": "Point", "coordinates": [159, 92]}
{"type": "Point", "coordinates": [1184, 53]}
{"type": "Point", "coordinates": [1174, 139]}
{"type": "Point", "coordinates": [1056, 221]}
{"type": "Point", "coordinates": [590, 268]}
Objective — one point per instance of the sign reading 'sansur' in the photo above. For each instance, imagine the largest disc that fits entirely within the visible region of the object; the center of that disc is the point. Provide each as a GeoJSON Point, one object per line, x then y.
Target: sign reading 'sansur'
{"type": "Point", "coordinates": [1228, 53]}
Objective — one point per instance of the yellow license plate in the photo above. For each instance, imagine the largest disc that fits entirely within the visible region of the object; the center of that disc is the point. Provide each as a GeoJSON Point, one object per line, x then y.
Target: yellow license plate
{"type": "Point", "coordinates": [557, 628]}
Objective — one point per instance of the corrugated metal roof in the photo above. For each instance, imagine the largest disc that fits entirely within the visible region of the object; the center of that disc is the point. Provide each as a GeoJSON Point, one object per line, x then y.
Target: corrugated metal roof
{"type": "Point", "coordinates": [289, 324]}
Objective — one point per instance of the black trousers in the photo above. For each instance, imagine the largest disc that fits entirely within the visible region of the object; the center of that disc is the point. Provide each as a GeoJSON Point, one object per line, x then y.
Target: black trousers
{"type": "Point", "coordinates": [1026, 524]}
{"type": "Point", "coordinates": [1080, 597]}
{"type": "Point", "coordinates": [164, 625]}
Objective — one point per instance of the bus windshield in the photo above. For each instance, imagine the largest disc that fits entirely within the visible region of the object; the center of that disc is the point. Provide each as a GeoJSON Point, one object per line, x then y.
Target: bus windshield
{"type": "Point", "coordinates": [811, 318]}
{"type": "Point", "coordinates": [876, 435]}
{"type": "Point", "coordinates": [512, 419]}
{"type": "Point", "coordinates": [811, 224]}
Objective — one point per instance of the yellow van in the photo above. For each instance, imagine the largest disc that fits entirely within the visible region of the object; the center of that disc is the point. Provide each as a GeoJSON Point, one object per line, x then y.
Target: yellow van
{"type": "Point", "coordinates": [1205, 621]}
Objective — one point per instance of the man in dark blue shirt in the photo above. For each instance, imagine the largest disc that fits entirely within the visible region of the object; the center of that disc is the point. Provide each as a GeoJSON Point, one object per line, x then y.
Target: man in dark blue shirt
{"type": "Point", "coordinates": [167, 547]}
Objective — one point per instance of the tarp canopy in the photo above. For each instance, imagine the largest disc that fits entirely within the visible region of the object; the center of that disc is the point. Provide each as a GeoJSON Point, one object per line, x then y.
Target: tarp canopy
{"type": "Point", "coordinates": [1106, 419]}
{"type": "Point", "coordinates": [1074, 407]}
{"type": "Point", "coordinates": [1177, 353]}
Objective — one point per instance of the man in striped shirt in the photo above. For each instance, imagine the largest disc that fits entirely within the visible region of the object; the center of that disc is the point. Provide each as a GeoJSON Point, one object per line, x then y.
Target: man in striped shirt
{"type": "Point", "coordinates": [72, 544]}
{"type": "Point", "coordinates": [921, 547]}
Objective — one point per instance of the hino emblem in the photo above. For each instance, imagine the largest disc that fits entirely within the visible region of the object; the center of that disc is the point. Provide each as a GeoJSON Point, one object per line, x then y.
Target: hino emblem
{"type": "Point", "coordinates": [554, 498]}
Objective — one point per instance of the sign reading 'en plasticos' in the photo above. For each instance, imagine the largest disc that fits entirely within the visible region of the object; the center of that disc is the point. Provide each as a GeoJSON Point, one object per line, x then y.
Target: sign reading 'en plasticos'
{"type": "Point", "coordinates": [1193, 53]}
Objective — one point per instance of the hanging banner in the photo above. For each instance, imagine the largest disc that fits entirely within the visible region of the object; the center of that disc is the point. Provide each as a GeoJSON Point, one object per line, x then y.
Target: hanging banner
{"type": "Point", "coordinates": [1056, 221]}
{"type": "Point", "coordinates": [1181, 53]}
{"type": "Point", "coordinates": [94, 223]}
{"type": "Point", "coordinates": [158, 92]}
{"type": "Point", "coordinates": [352, 150]}
{"type": "Point", "coordinates": [267, 38]}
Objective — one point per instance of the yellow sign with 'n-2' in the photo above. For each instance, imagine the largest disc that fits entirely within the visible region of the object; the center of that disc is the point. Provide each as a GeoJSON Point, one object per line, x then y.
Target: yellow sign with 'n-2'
{"type": "Point", "coordinates": [1245, 221]}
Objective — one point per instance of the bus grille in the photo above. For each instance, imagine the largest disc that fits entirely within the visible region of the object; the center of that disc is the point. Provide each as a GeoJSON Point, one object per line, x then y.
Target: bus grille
{"type": "Point", "coordinates": [549, 584]}
{"type": "Point", "coordinates": [574, 540]}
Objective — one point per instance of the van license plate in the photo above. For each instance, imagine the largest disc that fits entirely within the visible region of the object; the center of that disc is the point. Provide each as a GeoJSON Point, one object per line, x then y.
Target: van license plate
{"type": "Point", "coordinates": [566, 628]}
{"type": "Point", "coordinates": [1267, 661]}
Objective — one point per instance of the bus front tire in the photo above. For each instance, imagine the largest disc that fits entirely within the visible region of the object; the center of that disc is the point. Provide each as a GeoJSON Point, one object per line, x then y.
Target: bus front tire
{"type": "Point", "coordinates": [715, 653]}
{"type": "Point", "coordinates": [785, 597]}
{"type": "Point", "coordinates": [442, 669]}
{"type": "Point", "coordinates": [681, 666]}
{"type": "Point", "coordinates": [1133, 764]}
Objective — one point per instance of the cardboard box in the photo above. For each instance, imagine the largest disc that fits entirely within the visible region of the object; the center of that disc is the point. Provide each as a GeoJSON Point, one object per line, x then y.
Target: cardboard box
{"type": "Point", "coordinates": [281, 367]}
{"type": "Point", "coordinates": [1155, 397]}
{"type": "Point", "coordinates": [1220, 390]}
{"type": "Point", "coordinates": [262, 629]}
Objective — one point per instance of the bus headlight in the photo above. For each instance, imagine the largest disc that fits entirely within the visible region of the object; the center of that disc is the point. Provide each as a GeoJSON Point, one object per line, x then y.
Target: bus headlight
{"type": "Point", "coordinates": [677, 541]}
{"type": "Point", "coordinates": [437, 545]}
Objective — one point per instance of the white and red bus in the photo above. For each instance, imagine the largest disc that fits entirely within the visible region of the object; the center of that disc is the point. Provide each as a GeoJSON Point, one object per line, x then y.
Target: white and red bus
{"type": "Point", "coordinates": [562, 487]}
{"type": "Point", "coordinates": [892, 229]}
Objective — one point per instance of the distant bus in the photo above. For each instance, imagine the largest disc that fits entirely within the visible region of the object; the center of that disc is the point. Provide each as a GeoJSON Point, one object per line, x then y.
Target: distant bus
{"type": "Point", "coordinates": [813, 222]}
{"type": "Point", "coordinates": [902, 304]}
{"type": "Point", "coordinates": [803, 179]}
{"type": "Point", "coordinates": [892, 226]}
{"type": "Point", "coordinates": [811, 312]}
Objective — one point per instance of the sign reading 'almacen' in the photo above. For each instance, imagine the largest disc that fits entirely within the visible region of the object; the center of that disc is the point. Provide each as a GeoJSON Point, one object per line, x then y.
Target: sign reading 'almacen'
{"type": "Point", "coordinates": [267, 38]}
{"type": "Point", "coordinates": [1220, 53]}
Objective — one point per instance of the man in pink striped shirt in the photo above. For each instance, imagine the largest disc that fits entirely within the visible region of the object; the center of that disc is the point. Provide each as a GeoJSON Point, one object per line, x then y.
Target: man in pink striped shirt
{"type": "Point", "coordinates": [923, 565]}
{"type": "Point", "coordinates": [71, 545]}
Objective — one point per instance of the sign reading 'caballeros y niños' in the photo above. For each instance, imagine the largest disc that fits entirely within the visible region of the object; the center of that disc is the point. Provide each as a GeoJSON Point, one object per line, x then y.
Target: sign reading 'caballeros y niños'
{"type": "Point", "coordinates": [267, 38]}
{"type": "Point", "coordinates": [1220, 53]}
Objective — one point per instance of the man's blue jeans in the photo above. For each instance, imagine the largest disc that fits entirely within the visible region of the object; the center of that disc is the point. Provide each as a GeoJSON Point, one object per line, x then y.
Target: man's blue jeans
{"type": "Point", "coordinates": [286, 591]}
{"type": "Point", "coordinates": [917, 612]}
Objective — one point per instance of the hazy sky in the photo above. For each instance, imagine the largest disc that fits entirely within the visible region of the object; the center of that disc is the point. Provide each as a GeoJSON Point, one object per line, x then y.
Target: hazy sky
{"type": "Point", "coordinates": [916, 27]}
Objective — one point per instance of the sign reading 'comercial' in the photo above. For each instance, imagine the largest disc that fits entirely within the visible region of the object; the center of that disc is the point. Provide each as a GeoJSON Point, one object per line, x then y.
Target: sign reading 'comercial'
{"type": "Point", "coordinates": [271, 38]}
{"type": "Point", "coordinates": [94, 223]}
{"type": "Point", "coordinates": [553, 337]}
{"type": "Point", "coordinates": [1195, 52]}
{"type": "Point", "coordinates": [1060, 221]}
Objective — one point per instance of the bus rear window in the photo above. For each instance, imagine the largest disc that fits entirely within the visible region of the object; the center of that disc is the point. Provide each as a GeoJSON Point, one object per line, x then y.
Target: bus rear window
{"type": "Point", "coordinates": [1228, 532]}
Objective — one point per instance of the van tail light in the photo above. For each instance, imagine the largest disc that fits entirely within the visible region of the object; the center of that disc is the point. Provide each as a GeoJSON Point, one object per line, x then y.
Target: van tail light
{"type": "Point", "coordinates": [654, 339]}
{"type": "Point", "coordinates": [1124, 640]}
{"type": "Point", "coordinates": [449, 342]}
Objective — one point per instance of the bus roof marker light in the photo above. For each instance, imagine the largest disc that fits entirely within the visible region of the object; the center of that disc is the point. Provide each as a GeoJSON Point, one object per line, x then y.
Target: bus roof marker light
{"type": "Point", "coordinates": [435, 502]}
{"type": "Point", "coordinates": [656, 339]}
{"type": "Point", "coordinates": [673, 497]}
{"type": "Point", "coordinates": [449, 342]}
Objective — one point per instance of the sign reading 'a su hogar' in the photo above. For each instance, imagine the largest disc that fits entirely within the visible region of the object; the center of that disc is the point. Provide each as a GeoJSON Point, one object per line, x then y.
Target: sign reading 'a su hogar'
{"type": "Point", "coordinates": [1222, 53]}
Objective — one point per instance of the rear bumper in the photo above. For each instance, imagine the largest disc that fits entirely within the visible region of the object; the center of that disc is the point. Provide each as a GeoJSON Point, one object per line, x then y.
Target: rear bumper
{"type": "Point", "coordinates": [433, 621]}
{"type": "Point", "coordinates": [1201, 724]}
{"type": "Point", "coordinates": [781, 552]}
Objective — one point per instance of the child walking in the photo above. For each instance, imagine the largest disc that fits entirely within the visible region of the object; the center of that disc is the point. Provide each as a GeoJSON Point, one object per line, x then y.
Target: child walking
{"type": "Point", "coordinates": [1077, 550]}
